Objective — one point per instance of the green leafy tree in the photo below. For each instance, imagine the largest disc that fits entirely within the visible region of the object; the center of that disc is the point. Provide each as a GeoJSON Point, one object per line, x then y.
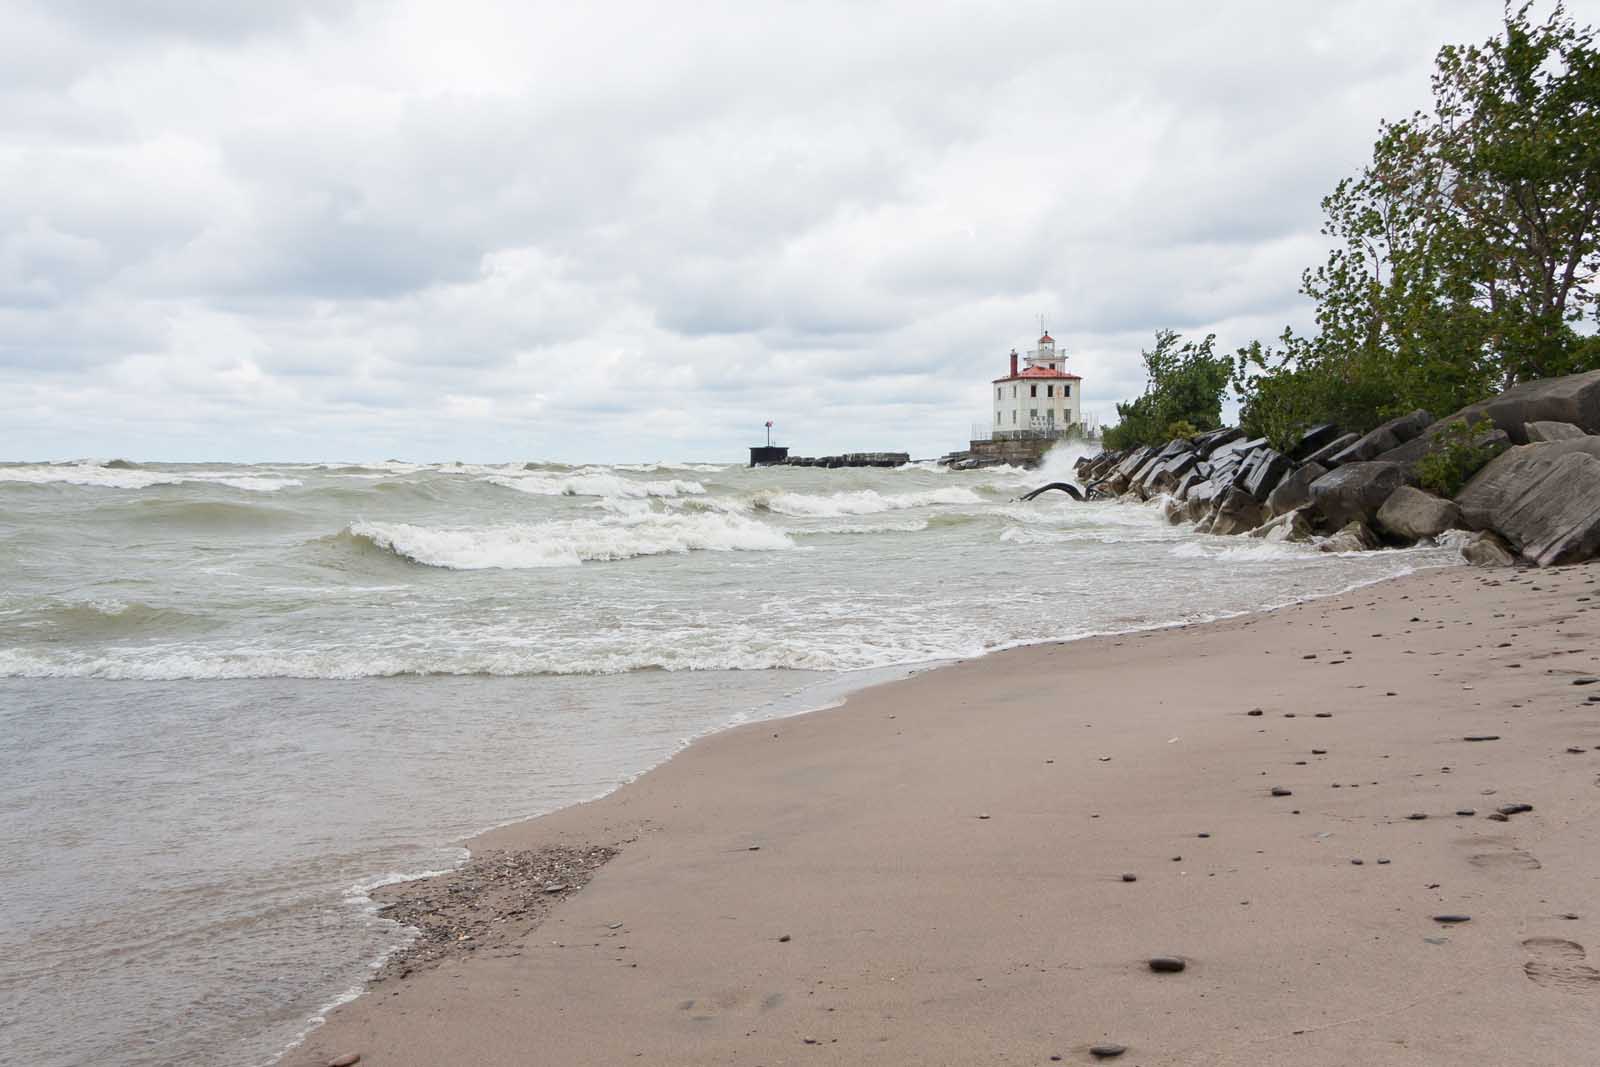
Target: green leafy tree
{"type": "Point", "coordinates": [1182, 396]}
{"type": "Point", "coordinates": [1466, 253]}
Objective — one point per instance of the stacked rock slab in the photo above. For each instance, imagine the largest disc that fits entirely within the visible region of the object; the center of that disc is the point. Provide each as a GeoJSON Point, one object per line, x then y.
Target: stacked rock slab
{"type": "Point", "coordinates": [1539, 499]}
{"type": "Point", "coordinates": [1543, 498]}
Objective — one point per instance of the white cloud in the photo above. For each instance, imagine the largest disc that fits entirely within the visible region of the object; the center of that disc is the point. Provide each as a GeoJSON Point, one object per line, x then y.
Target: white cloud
{"type": "Point", "coordinates": [624, 231]}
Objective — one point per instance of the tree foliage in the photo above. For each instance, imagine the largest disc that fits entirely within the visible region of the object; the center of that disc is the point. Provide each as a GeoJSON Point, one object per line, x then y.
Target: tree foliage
{"type": "Point", "coordinates": [1183, 393]}
{"type": "Point", "coordinates": [1466, 252]}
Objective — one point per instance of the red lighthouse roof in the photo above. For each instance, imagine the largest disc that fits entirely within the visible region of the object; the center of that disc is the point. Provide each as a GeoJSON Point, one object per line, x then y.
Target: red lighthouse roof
{"type": "Point", "coordinates": [1047, 340]}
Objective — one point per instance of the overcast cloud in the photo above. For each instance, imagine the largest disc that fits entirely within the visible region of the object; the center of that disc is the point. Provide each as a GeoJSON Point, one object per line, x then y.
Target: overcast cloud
{"type": "Point", "coordinates": [604, 232]}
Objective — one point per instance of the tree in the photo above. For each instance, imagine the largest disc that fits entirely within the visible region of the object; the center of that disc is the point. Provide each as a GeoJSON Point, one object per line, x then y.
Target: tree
{"type": "Point", "coordinates": [1467, 250]}
{"type": "Point", "coordinates": [1182, 396]}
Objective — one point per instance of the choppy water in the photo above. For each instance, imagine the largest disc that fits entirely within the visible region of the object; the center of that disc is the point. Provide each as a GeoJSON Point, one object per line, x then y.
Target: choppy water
{"type": "Point", "coordinates": [232, 697]}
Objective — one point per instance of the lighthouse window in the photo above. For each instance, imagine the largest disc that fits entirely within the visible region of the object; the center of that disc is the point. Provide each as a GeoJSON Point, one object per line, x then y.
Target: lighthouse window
{"type": "Point", "coordinates": [1033, 390]}
{"type": "Point", "coordinates": [1049, 390]}
{"type": "Point", "coordinates": [1066, 390]}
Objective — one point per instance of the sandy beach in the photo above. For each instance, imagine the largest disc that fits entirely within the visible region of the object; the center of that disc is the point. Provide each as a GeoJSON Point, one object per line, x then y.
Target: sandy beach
{"type": "Point", "coordinates": [937, 871]}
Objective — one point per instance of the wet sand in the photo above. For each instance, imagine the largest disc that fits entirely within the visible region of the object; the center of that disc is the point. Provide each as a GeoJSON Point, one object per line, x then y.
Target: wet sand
{"type": "Point", "coordinates": [933, 872]}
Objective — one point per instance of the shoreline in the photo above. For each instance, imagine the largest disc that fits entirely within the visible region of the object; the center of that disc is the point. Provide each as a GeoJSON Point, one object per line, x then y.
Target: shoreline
{"type": "Point", "coordinates": [395, 891]}
{"type": "Point", "coordinates": [646, 805]}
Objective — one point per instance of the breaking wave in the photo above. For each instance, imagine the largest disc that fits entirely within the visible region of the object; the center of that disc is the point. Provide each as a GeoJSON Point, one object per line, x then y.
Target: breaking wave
{"type": "Point", "coordinates": [858, 502]}
{"type": "Point", "coordinates": [568, 543]}
{"type": "Point", "coordinates": [598, 484]}
{"type": "Point", "coordinates": [127, 477]}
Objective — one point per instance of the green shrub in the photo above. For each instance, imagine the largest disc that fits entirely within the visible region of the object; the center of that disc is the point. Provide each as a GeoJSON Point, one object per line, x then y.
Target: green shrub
{"type": "Point", "coordinates": [1456, 454]}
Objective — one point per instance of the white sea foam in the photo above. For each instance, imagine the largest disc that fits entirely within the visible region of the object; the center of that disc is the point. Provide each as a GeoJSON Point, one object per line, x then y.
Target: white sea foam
{"type": "Point", "coordinates": [594, 483]}
{"type": "Point", "coordinates": [96, 476]}
{"type": "Point", "coordinates": [860, 501]}
{"type": "Point", "coordinates": [569, 543]}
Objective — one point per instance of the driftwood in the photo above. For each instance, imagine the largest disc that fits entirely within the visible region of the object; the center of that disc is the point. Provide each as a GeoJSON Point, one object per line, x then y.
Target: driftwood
{"type": "Point", "coordinates": [1066, 487]}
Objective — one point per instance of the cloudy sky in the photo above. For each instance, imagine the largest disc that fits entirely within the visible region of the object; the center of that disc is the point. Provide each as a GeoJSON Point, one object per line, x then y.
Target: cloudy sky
{"type": "Point", "coordinates": [470, 229]}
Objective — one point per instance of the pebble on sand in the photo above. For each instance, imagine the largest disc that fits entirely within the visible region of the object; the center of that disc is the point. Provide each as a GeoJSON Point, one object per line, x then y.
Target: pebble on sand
{"type": "Point", "coordinates": [349, 1059]}
{"type": "Point", "coordinates": [1167, 964]}
{"type": "Point", "coordinates": [1452, 918]}
{"type": "Point", "coordinates": [1107, 1052]}
{"type": "Point", "coordinates": [1129, 876]}
{"type": "Point", "coordinates": [1417, 815]}
{"type": "Point", "coordinates": [1514, 809]}
{"type": "Point", "coordinates": [1481, 737]}
{"type": "Point", "coordinates": [1255, 711]}
{"type": "Point", "coordinates": [1280, 791]}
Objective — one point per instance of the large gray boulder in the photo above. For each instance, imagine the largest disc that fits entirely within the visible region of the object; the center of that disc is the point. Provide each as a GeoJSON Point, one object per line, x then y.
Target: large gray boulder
{"type": "Point", "coordinates": [1266, 470]}
{"type": "Point", "coordinates": [1574, 398]}
{"type": "Point", "coordinates": [1353, 537]}
{"type": "Point", "coordinates": [1412, 515]}
{"type": "Point", "coordinates": [1488, 549]}
{"type": "Point", "coordinates": [1493, 439]}
{"type": "Point", "coordinates": [1290, 526]}
{"type": "Point", "coordinates": [1544, 499]}
{"type": "Point", "coordinates": [1208, 443]}
{"type": "Point", "coordinates": [1551, 431]}
{"type": "Point", "coordinates": [1239, 512]}
{"type": "Point", "coordinates": [1314, 440]}
{"type": "Point", "coordinates": [1355, 491]}
{"type": "Point", "coordinates": [1294, 491]}
{"type": "Point", "coordinates": [1324, 456]}
{"type": "Point", "coordinates": [1391, 434]}
{"type": "Point", "coordinates": [1495, 488]}
{"type": "Point", "coordinates": [1165, 476]}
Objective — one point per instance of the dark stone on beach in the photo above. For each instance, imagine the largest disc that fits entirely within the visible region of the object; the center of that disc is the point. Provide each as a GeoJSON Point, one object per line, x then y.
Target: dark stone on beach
{"type": "Point", "coordinates": [1514, 809]}
{"type": "Point", "coordinates": [1324, 456]}
{"type": "Point", "coordinates": [1466, 811]}
{"type": "Point", "coordinates": [1481, 737]}
{"type": "Point", "coordinates": [349, 1059]}
{"type": "Point", "coordinates": [1539, 499]}
{"type": "Point", "coordinates": [784, 938]}
{"type": "Point", "coordinates": [1391, 434]}
{"type": "Point", "coordinates": [1106, 1052]}
{"type": "Point", "coordinates": [1255, 711]}
{"type": "Point", "coordinates": [1280, 791]}
{"type": "Point", "coordinates": [1202, 835]}
{"type": "Point", "coordinates": [1294, 491]}
{"type": "Point", "coordinates": [1497, 817]}
{"type": "Point", "coordinates": [1452, 918]}
{"type": "Point", "coordinates": [1355, 492]}
{"type": "Point", "coordinates": [1357, 863]}
{"type": "Point", "coordinates": [1570, 915]}
{"type": "Point", "coordinates": [1383, 861]}
{"type": "Point", "coordinates": [1323, 715]}
{"type": "Point", "coordinates": [1574, 749]}
{"type": "Point", "coordinates": [1585, 681]}
{"type": "Point", "coordinates": [1130, 877]}
{"type": "Point", "coordinates": [1417, 815]}
{"type": "Point", "coordinates": [1314, 439]}
{"type": "Point", "coordinates": [1319, 752]}
{"type": "Point", "coordinates": [984, 816]}
{"type": "Point", "coordinates": [1167, 964]}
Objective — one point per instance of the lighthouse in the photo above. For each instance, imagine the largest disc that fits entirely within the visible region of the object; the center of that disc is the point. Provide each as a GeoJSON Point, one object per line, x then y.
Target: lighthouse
{"type": "Point", "coordinates": [1041, 399]}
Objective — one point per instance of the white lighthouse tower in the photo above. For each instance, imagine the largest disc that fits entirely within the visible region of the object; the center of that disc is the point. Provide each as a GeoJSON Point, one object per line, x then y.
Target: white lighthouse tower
{"type": "Point", "coordinates": [1040, 400]}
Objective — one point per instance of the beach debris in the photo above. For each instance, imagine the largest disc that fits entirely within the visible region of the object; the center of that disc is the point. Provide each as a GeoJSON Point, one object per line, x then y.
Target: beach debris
{"type": "Point", "coordinates": [1255, 712]}
{"type": "Point", "coordinates": [1585, 681]}
{"type": "Point", "coordinates": [1574, 749]}
{"type": "Point", "coordinates": [1323, 715]}
{"type": "Point", "coordinates": [613, 926]}
{"type": "Point", "coordinates": [1383, 861]}
{"type": "Point", "coordinates": [1167, 964]}
{"type": "Point", "coordinates": [984, 815]}
{"type": "Point", "coordinates": [1451, 919]}
{"type": "Point", "coordinates": [1129, 876]}
{"type": "Point", "coordinates": [1569, 915]}
{"type": "Point", "coordinates": [349, 1059]}
{"type": "Point", "coordinates": [1357, 862]}
{"type": "Point", "coordinates": [1514, 809]}
{"type": "Point", "coordinates": [1107, 1052]}
{"type": "Point", "coordinates": [784, 939]}
{"type": "Point", "coordinates": [1417, 815]}
{"type": "Point", "coordinates": [1481, 737]}
{"type": "Point", "coordinates": [1498, 817]}
{"type": "Point", "coordinates": [1319, 752]}
{"type": "Point", "coordinates": [1202, 835]}
{"type": "Point", "coordinates": [1466, 811]}
{"type": "Point", "coordinates": [1280, 791]}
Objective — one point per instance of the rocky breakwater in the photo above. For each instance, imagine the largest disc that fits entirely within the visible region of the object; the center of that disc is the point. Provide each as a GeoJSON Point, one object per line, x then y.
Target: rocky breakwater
{"type": "Point", "coordinates": [851, 459]}
{"type": "Point", "coordinates": [1536, 500]}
